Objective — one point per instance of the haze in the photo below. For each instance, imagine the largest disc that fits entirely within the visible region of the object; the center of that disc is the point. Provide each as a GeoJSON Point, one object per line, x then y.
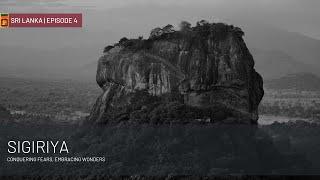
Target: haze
{"type": "Point", "coordinates": [59, 51]}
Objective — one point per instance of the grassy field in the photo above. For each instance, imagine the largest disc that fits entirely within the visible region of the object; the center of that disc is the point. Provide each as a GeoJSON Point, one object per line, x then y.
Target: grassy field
{"type": "Point", "coordinates": [62, 100]}
{"type": "Point", "coordinates": [291, 104]}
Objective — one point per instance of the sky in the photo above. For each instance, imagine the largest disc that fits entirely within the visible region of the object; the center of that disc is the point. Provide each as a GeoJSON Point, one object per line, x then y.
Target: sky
{"type": "Point", "coordinates": [293, 15]}
{"type": "Point", "coordinates": [106, 21]}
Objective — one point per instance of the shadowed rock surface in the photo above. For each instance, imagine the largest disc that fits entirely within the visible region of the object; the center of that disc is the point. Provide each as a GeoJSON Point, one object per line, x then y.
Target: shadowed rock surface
{"type": "Point", "coordinates": [201, 74]}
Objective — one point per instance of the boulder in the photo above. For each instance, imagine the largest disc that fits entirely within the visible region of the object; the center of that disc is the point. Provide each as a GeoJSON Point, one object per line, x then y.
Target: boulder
{"type": "Point", "coordinates": [207, 70]}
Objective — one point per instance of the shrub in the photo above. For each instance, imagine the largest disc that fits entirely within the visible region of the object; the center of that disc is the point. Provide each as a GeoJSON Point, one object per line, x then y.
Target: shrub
{"type": "Point", "coordinates": [220, 30]}
{"type": "Point", "coordinates": [108, 48]}
{"type": "Point", "coordinates": [168, 28]}
{"type": "Point", "coordinates": [123, 40]}
{"type": "Point", "coordinates": [185, 26]}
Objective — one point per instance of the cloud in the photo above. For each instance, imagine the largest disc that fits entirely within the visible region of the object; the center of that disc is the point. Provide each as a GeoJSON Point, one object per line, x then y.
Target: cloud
{"type": "Point", "coordinates": [285, 5]}
{"type": "Point", "coordinates": [293, 15]}
{"type": "Point", "coordinates": [15, 3]}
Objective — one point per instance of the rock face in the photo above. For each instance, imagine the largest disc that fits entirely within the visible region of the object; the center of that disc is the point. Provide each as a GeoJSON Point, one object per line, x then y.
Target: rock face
{"type": "Point", "coordinates": [207, 69]}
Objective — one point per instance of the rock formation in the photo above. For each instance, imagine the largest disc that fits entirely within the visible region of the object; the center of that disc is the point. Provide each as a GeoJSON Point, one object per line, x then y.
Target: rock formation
{"type": "Point", "coordinates": [205, 72]}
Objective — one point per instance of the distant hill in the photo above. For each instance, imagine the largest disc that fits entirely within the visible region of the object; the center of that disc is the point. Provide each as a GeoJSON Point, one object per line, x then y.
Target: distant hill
{"type": "Point", "coordinates": [277, 52]}
{"type": "Point", "coordinates": [273, 64]}
{"type": "Point", "coordinates": [300, 81]}
{"type": "Point", "coordinates": [26, 62]}
{"type": "Point", "coordinates": [298, 46]}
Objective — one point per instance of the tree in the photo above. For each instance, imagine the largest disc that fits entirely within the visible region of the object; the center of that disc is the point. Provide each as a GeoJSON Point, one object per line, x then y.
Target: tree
{"type": "Point", "coordinates": [108, 48]}
{"type": "Point", "coordinates": [239, 31]}
{"type": "Point", "coordinates": [168, 29]}
{"type": "Point", "coordinates": [185, 26]}
{"type": "Point", "coordinates": [156, 32]}
{"type": "Point", "coordinates": [203, 27]}
{"type": "Point", "coordinates": [220, 30]}
{"type": "Point", "coordinates": [202, 23]}
{"type": "Point", "coordinates": [122, 40]}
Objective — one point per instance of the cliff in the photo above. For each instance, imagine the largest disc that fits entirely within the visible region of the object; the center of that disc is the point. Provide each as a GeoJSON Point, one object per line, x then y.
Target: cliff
{"type": "Point", "coordinates": [198, 74]}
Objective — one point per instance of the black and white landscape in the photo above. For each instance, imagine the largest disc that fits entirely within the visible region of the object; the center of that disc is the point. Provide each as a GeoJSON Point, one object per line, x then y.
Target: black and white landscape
{"type": "Point", "coordinates": [167, 88]}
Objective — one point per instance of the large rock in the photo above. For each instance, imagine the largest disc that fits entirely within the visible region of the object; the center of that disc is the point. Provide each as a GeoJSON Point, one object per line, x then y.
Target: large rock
{"type": "Point", "coordinates": [207, 69]}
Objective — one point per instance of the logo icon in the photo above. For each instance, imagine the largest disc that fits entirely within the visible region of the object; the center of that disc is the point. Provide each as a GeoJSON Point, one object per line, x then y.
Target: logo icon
{"type": "Point", "coordinates": [4, 20]}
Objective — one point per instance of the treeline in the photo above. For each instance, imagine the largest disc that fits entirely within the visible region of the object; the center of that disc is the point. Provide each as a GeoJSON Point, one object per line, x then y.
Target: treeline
{"type": "Point", "coordinates": [295, 110]}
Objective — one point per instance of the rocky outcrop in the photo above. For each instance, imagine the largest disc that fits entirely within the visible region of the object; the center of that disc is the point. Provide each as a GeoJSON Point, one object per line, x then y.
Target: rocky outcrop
{"type": "Point", "coordinates": [206, 69]}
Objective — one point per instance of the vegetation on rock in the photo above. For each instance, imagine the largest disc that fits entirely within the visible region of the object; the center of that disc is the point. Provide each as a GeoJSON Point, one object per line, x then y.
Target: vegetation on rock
{"type": "Point", "coordinates": [208, 66]}
{"type": "Point", "coordinates": [203, 29]}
